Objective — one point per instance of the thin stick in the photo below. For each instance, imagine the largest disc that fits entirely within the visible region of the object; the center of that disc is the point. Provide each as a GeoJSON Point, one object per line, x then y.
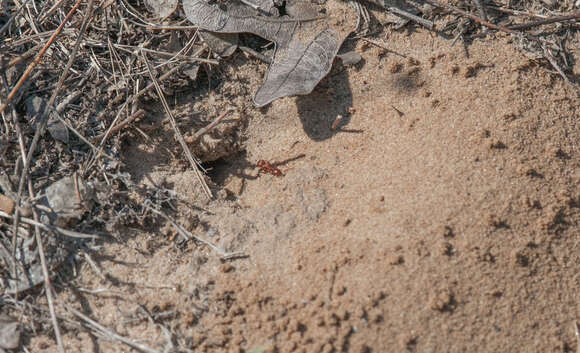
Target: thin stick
{"type": "Point", "coordinates": [425, 23]}
{"type": "Point", "coordinates": [255, 54]}
{"type": "Point", "coordinates": [44, 119]}
{"type": "Point", "coordinates": [382, 46]}
{"type": "Point", "coordinates": [514, 12]}
{"type": "Point", "coordinates": [557, 67]}
{"type": "Point", "coordinates": [105, 331]}
{"type": "Point", "coordinates": [164, 76]}
{"type": "Point", "coordinates": [171, 28]}
{"type": "Point", "coordinates": [210, 126]}
{"type": "Point", "coordinates": [23, 152]}
{"type": "Point", "coordinates": [94, 266]}
{"type": "Point", "coordinates": [574, 16]}
{"type": "Point", "coordinates": [50, 11]}
{"type": "Point", "coordinates": [132, 48]}
{"type": "Point", "coordinates": [139, 94]}
{"type": "Point", "coordinates": [42, 309]}
{"type": "Point", "coordinates": [49, 227]}
{"type": "Point", "coordinates": [481, 9]}
{"type": "Point", "coordinates": [47, 284]}
{"type": "Point", "coordinates": [7, 24]}
{"type": "Point", "coordinates": [187, 235]}
{"type": "Point", "coordinates": [84, 139]}
{"type": "Point", "coordinates": [36, 60]}
{"type": "Point", "coordinates": [135, 116]}
{"type": "Point", "coordinates": [21, 41]}
{"type": "Point", "coordinates": [577, 331]}
{"type": "Point", "coordinates": [470, 16]}
{"type": "Point", "coordinates": [178, 134]}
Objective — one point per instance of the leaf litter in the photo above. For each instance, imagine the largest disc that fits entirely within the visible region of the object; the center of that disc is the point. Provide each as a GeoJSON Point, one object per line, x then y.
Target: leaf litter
{"type": "Point", "coordinates": [109, 102]}
{"type": "Point", "coordinates": [307, 38]}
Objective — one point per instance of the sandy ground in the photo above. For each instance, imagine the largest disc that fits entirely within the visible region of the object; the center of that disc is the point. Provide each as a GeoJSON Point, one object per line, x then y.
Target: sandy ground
{"type": "Point", "coordinates": [442, 217]}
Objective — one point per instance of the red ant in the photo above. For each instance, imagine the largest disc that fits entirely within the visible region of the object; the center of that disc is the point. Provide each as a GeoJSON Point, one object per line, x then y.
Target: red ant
{"type": "Point", "coordinates": [269, 168]}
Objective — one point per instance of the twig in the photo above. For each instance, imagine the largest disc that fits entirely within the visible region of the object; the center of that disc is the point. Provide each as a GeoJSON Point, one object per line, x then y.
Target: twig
{"type": "Point", "coordinates": [514, 12]}
{"type": "Point", "coordinates": [557, 67]}
{"type": "Point", "coordinates": [84, 139]}
{"type": "Point", "coordinates": [382, 46]}
{"type": "Point", "coordinates": [47, 284]}
{"type": "Point", "coordinates": [14, 14]}
{"type": "Point", "coordinates": [178, 134]}
{"type": "Point", "coordinates": [142, 92]}
{"type": "Point", "coordinates": [31, 150]}
{"type": "Point", "coordinates": [135, 116]}
{"type": "Point", "coordinates": [131, 49]}
{"type": "Point", "coordinates": [105, 331]}
{"type": "Point", "coordinates": [574, 16]}
{"type": "Point", "coordinates": [424, 22]}
{"type": "Point", "coordinates": [94, 266]}
{"type": "Point", "coordinates": [577, 332]}
{"type": "Point", "coordinates": [26, 161]}
{"type": "Point", "coordinates": [43, 310]}
{"type": "Point", "coordinates": [255, 54]}
{"type": "Point", "coordinates": [37, 59]}
{"type": "Point", "coordinates": [187, 235]}
{"type": "Point", "coordinates": [171, 28]}
{"type": "Point", "coordinates": [49, 227]}
{"type": "Point", "coordinates": [470, 16]}
{"type": "Point", "coordinates": [44, 119]}
{"type": "Point", "coordinates": [54, 7]}
{"type": "Point", "coordinates": [15, 196]}
{"type": "Point", "coordinates": [210, 126]}
{"type": "Point", "coordinates": [481, 9]}
{"type": "Point", "coordinates": [34, 37]}
{"type": "Point", "coordinates": [133, 12]}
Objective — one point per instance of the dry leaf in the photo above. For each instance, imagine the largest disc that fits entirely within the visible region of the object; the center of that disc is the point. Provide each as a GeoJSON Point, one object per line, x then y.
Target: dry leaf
{"type": "Point", "coordinates": [307, 39]}
{"type": "Point", "coordinates": [162, 8]}
{"type": "Point", "coordinates": [9, 332]}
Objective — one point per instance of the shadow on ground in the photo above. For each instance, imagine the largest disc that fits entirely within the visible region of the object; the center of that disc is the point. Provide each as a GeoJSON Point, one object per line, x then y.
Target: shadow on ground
{"type": "Point", "coordinates": [331, 98]}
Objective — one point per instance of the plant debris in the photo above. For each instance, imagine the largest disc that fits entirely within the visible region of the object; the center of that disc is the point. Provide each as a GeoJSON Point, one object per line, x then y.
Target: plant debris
{"type": "Point", "coordinates": [9, 332]}
{"type": "Point", "coordinates": [81, 73]}
{"type": "Point", "coordinates": [307, 39]}
{"type": "Point", "coordinates": [162, 8]}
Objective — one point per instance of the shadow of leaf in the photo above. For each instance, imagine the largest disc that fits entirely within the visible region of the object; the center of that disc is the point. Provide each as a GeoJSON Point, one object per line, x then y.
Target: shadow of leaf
{"type": "Point", "coordinates": [306, 43]}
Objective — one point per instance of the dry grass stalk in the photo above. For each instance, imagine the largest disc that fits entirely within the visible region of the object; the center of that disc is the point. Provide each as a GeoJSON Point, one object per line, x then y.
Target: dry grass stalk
{"type": "Point", "coordinates": [187, 235]}
{"type": "Point", "coordinates": [134, 98]}
{"type": "Point", "coordinates": [98, 152]}
{"type": "Point", "coordinates": [103, 331]}
{"type": "Point", "coordinates": [178, 135]}
{"type": "Point", "coordinates": [50, 228]}
{"type": "Point", "coordinates": [208, 128]}
{"type": "Point", "coordinates": [37, 59]}
{"type": "Point", "coordinates": [577, 332]}
{"type": "Point", "coordinates": [48, 286]}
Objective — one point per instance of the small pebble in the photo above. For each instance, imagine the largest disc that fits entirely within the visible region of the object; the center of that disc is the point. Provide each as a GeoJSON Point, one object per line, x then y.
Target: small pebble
{"type": "Point", "coordinates": [6, 204]}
